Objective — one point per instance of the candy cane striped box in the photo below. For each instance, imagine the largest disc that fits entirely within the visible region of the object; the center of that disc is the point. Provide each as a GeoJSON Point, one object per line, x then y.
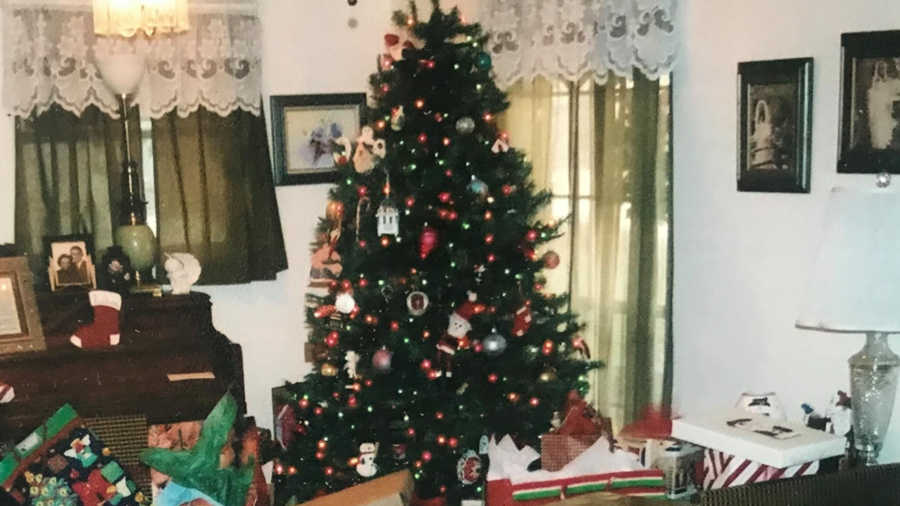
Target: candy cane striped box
{"type": "Point", "coordinates": [746, 448]}
{"type": "Point", "coordinates": [722, 470]}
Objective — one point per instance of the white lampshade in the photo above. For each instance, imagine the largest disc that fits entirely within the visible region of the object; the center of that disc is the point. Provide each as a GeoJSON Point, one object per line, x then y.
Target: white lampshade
{"type": "Point", "coordinates": [123, 71]}
{"type": "Point", "coordinates": [127, 17]}
{"type": "Point", "coordinates": [855, 280]}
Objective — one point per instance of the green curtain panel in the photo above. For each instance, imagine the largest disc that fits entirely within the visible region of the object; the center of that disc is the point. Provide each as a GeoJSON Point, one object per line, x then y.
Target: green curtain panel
{"type": "Point", "coordinates": [604, 153]}
{"type": "Point", "coordinates": [215, 195]}
{"type": "Point", "coordinates": [67, 178]}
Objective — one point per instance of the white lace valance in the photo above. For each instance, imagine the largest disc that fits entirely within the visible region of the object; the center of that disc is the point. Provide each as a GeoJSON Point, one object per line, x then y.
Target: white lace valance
{"type": "Point", "coordinates": [50, 54]}
{"type": "Point", "coordinates": [575, 38]}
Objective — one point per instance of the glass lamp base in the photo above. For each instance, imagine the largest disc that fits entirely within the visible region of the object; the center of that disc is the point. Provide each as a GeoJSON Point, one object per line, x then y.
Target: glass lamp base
{"type": "Point", "coordinates": [873, 385]}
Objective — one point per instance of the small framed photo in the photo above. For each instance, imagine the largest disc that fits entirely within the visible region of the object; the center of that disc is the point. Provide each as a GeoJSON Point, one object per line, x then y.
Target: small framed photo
{"type": "Point", "coordinates": [870, 102]}
{"type": "Point", "coordinates": [70, 263]}
{"type": "Point", "coordinates": [304, 130]}
{"type": "Point", "coordinates": [20, 323]}
{"type": "Point", "coordinates": [774, 134]}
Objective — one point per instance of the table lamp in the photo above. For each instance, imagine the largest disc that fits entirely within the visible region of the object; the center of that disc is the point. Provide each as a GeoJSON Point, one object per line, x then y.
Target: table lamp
{"type": "Point", "coordinates": [855, 288]}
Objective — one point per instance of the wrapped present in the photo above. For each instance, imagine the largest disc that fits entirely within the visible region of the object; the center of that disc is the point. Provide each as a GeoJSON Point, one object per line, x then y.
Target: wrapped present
{"type": "Point", "coordinates": [395, 489]}
{"type": "Point", "coordinates": [649, 439]}
{"type": "Point", "coordinates": [599, 468]}
{"type": "Point", "coordinates": [747, 448]}
{"type": "Point", "coordinates": [580, 429]}
{"type": "Point", "coordinates": [64, 459]}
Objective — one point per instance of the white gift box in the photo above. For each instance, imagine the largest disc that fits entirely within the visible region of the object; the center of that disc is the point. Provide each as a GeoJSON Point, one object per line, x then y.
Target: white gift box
{"type": "Point", "coordinates": [758, 438]}
{"type": "Point", "coordinates": [746, 448]}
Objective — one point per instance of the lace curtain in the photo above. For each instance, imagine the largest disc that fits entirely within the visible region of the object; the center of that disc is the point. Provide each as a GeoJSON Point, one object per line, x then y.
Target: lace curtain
{"type": "Point", "coordinates": [571, 39]}
{"type": "Point", "coordinates": [50, 55]}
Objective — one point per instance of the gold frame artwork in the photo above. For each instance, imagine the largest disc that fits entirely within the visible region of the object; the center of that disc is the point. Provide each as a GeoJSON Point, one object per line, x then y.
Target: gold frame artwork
{"type": "Point", "coordinates": [20, 323]}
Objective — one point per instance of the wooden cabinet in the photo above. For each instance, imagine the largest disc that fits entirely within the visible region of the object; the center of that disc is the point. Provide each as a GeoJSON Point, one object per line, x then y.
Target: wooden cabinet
{"type": "Point", "coordinates": [161, 336]}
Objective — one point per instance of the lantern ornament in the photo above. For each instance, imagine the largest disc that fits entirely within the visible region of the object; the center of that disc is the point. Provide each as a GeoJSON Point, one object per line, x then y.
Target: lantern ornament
{"type": "Point", "coordinates": [388, 218]}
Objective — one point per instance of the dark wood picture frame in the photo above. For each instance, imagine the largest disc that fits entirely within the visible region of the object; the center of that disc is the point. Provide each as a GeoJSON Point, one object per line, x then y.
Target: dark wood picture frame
{"type": "Point", "coordinates": [302, 110]}
{"type": "Point", "coordinates": [870, 103]}
{"type": "Point", "coordinates": [25, 333]}
{"type": "Point", "coordinates": [775, 125]}
{"type": "Point", "coordinates": [90, 280]}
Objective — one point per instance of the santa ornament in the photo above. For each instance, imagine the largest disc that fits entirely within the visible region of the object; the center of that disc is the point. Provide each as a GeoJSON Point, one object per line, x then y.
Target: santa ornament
{"type": "Point", "coordinates": [103, 332]}
{"type": "Point", "coordinates": [366, 466]}
{"type": "Point", "coordinates": [455, 337]}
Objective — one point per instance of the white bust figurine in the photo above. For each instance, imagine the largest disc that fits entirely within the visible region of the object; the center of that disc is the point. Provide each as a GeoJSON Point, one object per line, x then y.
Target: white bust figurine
{"type": "Point", "coordinates": [183, 271]}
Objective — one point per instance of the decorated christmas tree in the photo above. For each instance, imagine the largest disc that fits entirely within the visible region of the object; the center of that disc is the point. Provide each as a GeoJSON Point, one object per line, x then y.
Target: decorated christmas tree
{"type": "Point", "coordinates": [435, 334]}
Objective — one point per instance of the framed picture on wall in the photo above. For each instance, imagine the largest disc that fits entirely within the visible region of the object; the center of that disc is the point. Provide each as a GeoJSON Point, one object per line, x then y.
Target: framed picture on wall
{"type": "Point", "coordinates": [20, 323]}
{"type": "Point", "coordinates": [775, 117]}
{"type": "Point", "coordinates": [870, 102]}
{"type": "Point", "coordinates": [304, 129]}
{"type": "Point", "coordinates": [70, 262]}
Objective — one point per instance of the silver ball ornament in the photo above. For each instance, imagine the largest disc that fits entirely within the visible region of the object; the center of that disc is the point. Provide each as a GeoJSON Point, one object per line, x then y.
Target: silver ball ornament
{"type": "Point", "coordinates": [494, 345]}
{"type": "Point", "coordinates": [465, 125]}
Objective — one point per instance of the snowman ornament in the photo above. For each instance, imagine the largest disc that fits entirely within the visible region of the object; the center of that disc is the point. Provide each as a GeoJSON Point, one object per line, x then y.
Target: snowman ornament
{"type": "Point", "coordinates": [366, 466]}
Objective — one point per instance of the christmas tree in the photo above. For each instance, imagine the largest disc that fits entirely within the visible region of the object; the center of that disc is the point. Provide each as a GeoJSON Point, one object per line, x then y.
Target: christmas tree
{"type": "Point", "coordinates": [435, 334]}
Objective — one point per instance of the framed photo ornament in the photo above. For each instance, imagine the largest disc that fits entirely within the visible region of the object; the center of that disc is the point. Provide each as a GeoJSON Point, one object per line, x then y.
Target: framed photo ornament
{"type": "Point", "coordinates": [20, 323]}
{"type": "Point", "coordinates": [870, 103]}
{"type": "Point", "coordinates": [774, 130]}
{"type": "Point", "coordinates": [304, 131]}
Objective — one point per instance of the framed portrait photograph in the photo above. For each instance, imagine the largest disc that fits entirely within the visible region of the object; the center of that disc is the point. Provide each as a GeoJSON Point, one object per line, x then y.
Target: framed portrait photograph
{"type": "Point", "coordinates": [775, 121]}
{"type": "Point", "coordinates": [70, 263]}
{"type": "Point", "coordinates": [20, 323]}
{"type": "Point", "coordinates": [304, 129]}
{"type": "Point", "coordinates": [870, 102]}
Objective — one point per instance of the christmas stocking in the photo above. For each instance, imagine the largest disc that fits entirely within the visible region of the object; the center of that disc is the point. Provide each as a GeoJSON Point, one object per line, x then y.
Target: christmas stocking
{"type": "Point", "coordinates": [104, 331]}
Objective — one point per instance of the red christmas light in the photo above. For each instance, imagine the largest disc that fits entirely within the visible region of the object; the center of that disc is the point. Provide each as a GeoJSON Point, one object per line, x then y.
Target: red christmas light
{"type": "Point", "coordinates": [531, 235]}
{"type": "Point", "coordinates": [380, 124]}
{"type": "Point", "coordinates": [439, 415]}
{"type": "Point", "coordinates": [492, 378]}
{"type": "Point", "coordinates": [362, 243]}
{"type": "Point", "coordinates": [547, 348]}
{"type": "Point", "coordinates": [353, 461]}
{"type": "Point", "coordinates": [385, 88]}
{"type": "Point", "coordinates": [429, 64]}
{"type": "Point", "coordinates": [489, 239]}
{"type": "Point", "coordinates": [363, 282]}
{"type": "Point", "coordinates": [410, 201]}
{"type": "Point", "coordinates": [448, 173]}
{"type": "Point", "coordinates": [419, 103]}
{"type": "Point", "coordinates": [446, 141]}
{"type": "Point", "coordinates": [352, 402]}
{"type": "Point", "coordinates": [452, 215]}
{"type": "Point", "coordinates": [425, 364]}
{"type": "Point", "coordinates": [438, 117]}
{"type": "Point", "coordinates": [319, 455]}
{"type": "Point", "coordinates": [444, 197]}
{"type": "Point", "coordinates": [441, 439]}
{"type": "Point", "coordinates": [488, 215]}
{"type": "Point", "coordinates": [426, 456]}
{"type": "Point", "coordinates": [433, 375]}
{"type": "Point", "coordinates": [395, 326]}
{"type": "Point", "coordinates": [329, 471]}
{"type": "Point", "coordinates": [513, 397]}
{"type": "Point", "coordinates": [318, 411]}
{"type": "Point", "coordinates": [534, 401]}
{"type": "Point", "coordinates": [453, 442]}
{"type": "Point", "coordinates": [491, 258]}
{"type": "Point", "coordinates": [507, 189]}
{"type": "Point", "coordinates": [410, 432]}
{"type": "Point", "coordinates": [422, 138]}
{"type": "Point", "coordinates": [385, 241]}
{"type": "Point", "coordinates": [488, 116]}
{"type": "Point", "coordinates": [304, 403]}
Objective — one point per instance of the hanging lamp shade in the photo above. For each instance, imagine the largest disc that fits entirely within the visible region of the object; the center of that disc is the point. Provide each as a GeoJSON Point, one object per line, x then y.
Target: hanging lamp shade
{"type": "Point", "coordinates": [128, 17]}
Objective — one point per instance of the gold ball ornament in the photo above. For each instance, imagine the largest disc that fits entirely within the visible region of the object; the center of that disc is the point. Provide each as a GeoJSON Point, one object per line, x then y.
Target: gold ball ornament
{"type": "Point", "coordinates": [547, 376]}
{"type": "Point", "coordinates": [329, 369]}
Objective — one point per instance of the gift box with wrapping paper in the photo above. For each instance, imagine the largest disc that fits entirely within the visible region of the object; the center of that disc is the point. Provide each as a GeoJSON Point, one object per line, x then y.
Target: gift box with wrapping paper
{"type": "Point", "coordinates": [65, 463]}
{"type": "Point", "coordinates": [744, 448]}
{"type": "Point", "coordinates": [509, 483]}
{"type": "Point", "coordinates": [580, 429]}
{"type": "Point", "coordinates": [395, 489]}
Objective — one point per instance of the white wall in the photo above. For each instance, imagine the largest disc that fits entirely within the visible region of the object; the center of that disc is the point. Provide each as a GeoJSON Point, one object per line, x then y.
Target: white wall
{"type": "Point", "coordinates": [741, 259]}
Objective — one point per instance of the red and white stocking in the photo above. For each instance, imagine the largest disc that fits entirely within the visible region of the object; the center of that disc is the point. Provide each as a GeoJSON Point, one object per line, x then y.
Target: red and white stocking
{"type": "Point", "coordinates": [7, 394]}
{"type": "Point", "coordinates": [104, 331]}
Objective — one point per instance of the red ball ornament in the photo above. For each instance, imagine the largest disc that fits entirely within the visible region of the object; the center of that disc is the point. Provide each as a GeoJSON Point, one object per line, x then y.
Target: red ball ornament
{"type": "Point", "coordinates": [381, 360]}
{"type": "Point", "coordinates": [363, 283]}
{"type": "Point", "coordinates": [410, 201]}
{"type": "Point", "coordinates": [428, 240]}
{"type": "Point", "coordinates": [304, 403]}
{"type": "Point", "coordinates": [551, 260]}
{"type": "Point", "coordinates": [331, 340]}
{"type": "Point", "coordinates": [507, 189]}
{"type": "Point", "coordinates": [318, 411]}
{"type": "Point", "coordinates": [346, 285]}
{"type": "Point", "coordinates": [452, 215]}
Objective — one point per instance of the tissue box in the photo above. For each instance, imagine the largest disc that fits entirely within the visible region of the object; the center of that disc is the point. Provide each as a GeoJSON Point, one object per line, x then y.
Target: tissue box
{"type": "Point", "coordinates": [745, 448]}
{"type": "Point", "coordinates": [392, 490]}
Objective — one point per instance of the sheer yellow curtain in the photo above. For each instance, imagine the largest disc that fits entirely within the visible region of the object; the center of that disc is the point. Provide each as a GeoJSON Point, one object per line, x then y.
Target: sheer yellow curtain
{"type": "Point", "coordinates": [603, 152]}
